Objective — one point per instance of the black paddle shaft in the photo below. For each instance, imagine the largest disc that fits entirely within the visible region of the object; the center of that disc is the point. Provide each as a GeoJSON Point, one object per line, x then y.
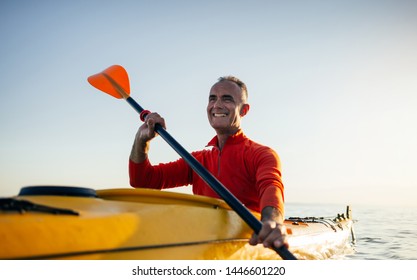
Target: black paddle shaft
{"type": "Point", "coordinates": [213, 182]}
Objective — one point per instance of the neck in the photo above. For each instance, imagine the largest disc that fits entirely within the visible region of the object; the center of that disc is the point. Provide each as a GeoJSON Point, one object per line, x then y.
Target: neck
{"type": "Point", "coordinates": [222, 136]}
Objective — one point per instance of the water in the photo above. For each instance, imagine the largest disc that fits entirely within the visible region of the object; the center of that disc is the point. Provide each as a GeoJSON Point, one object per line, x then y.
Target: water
{"type": "Point", "coordinates": [382, 233]}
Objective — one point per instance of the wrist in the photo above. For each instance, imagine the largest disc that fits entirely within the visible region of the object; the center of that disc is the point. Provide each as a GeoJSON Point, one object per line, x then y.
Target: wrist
{"type": "Point", "coordinates": [270, 213]}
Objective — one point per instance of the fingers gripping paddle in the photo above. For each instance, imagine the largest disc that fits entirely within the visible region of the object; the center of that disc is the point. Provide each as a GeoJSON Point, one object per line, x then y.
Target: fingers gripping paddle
{"type": "Point", "coordinates": [115, 81]}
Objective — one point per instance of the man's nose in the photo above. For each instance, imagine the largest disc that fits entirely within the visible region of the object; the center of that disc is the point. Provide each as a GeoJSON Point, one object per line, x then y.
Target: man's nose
{"type": "Point", "coordinates": [218, 104]}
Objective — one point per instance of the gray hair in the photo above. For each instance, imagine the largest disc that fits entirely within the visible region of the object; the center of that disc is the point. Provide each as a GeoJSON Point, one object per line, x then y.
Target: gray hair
{"type": "Point", "coordinates": [236, 81]}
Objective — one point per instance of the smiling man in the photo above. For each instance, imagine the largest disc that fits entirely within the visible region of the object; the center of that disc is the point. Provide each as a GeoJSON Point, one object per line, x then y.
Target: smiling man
{"type": "Point", "coordinates": [251, 171]}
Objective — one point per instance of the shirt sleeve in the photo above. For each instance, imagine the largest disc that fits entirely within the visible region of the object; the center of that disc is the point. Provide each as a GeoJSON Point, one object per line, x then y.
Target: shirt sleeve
{"type": "Point", "coordinates": [268, 180]}
{"type": "Point", "coordinates": [161, 176]}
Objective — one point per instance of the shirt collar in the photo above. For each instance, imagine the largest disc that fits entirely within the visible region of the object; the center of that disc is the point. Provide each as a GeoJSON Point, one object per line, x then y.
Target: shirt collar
{"type": "Point", "coordinates": [236, 138]}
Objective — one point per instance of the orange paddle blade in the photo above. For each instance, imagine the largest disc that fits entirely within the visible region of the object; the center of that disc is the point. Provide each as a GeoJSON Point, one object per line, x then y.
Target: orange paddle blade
{"type": "Point", "coordinates": [114, 81]}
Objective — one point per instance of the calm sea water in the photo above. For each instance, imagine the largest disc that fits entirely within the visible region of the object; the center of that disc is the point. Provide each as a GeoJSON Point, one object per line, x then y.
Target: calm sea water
{"type": "Point", "coordinates": [382, 233]}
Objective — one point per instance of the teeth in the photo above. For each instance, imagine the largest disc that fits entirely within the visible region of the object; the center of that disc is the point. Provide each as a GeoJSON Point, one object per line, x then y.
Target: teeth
{"type": "Point", "coordinates": [219, 115]}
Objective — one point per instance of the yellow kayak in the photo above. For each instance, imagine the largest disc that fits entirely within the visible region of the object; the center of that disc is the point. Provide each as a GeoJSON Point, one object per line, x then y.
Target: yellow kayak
{"type": "Point", "coordinates": [80, 223]}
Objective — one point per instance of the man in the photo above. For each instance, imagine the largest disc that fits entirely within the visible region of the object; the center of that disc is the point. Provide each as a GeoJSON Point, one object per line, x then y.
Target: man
{"type": "Point", "coordinates": [249, 170]}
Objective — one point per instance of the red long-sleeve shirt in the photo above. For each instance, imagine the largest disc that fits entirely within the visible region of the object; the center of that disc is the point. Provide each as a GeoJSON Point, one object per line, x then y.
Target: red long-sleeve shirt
{"type": "Point", "coordinates": [251, 172]}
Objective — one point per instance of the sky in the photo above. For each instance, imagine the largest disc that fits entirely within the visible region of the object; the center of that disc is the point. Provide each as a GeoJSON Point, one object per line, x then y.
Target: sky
{"type": "Point", "coordinates": [332, 87]}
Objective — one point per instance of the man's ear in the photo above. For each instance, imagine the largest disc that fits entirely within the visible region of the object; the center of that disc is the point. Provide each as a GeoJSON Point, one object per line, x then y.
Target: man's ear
{"type": "Point", "coordinates": [244, 110]}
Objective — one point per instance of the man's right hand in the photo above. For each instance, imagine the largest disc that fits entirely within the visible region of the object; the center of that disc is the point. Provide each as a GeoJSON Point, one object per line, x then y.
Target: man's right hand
{"type": "Point", "coordinates": [145, 134]}
{"type": "Point", "coordinates": [146, 131]}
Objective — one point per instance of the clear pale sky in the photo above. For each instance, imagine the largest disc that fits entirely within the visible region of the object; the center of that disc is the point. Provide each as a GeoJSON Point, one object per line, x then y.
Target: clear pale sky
{"type": "Point", "coordinates": [332, 87]}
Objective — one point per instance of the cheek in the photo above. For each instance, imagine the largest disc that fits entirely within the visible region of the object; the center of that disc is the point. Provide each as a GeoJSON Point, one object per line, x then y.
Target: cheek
{"type": "Point", "coordinates": [208, 109]}
{"type": "Point", "coordinates": [235, 117]}
{"type": "Point", "coordinates": [209, 106]}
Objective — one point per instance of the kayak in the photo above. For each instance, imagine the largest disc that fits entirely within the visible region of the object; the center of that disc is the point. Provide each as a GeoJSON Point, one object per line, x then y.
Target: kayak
{"type": "Point", "coordinates": [60, 222]}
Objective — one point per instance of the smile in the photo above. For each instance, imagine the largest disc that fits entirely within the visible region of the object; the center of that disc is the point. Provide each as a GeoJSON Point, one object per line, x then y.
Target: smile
{"type": "Point", "coordinates": [219, 115]}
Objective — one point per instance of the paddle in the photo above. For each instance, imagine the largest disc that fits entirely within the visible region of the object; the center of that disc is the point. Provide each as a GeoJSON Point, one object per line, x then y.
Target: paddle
{"type": "Point", "coordinates": [115, 81]}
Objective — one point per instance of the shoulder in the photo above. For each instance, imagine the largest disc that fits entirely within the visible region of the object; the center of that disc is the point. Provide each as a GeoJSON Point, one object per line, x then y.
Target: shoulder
{"type": "Point", "coordinates": [259, 148]}
{"type": "Point", "coordinates": [261, 154]}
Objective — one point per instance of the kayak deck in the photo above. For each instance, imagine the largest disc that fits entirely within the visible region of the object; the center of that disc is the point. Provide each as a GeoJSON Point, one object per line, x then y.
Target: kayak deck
{"type": "Point", "coordinates": [148, 224]}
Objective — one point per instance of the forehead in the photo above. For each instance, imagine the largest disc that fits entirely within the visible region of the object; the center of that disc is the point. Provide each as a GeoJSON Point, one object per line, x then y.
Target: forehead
{"type": "Point", "coordinates": [226, 88]}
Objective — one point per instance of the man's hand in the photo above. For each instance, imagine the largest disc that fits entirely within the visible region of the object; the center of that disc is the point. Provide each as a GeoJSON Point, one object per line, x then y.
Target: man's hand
{"type": "Point", "coordinates": [272, 234]}
{"type": "Point", "coordinates": [145, 134]}
{"type": "Point", "coordinates": [146, 131]}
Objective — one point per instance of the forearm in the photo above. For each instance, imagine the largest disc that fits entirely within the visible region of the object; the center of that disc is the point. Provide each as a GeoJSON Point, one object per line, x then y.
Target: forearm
{"type": "Point", "coordinates": [139, 152]}
{"type": "Point", "coordinates": [272, 202]}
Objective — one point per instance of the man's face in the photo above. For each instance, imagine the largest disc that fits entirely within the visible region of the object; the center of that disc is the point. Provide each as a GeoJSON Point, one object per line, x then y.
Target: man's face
{"type": "Point", "coordinates": [225, 107]}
